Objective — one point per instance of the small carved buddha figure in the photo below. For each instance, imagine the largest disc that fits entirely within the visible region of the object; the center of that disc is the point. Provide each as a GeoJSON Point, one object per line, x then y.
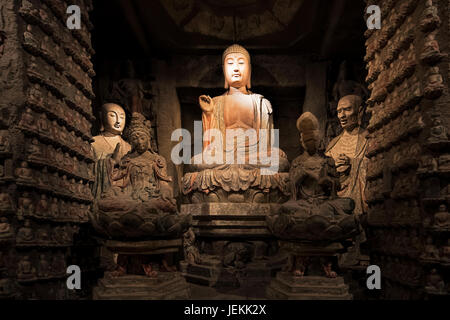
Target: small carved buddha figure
{"type": "Point", "coordinates": [43, 124]}
{"type": "Point", "coordinates": [434, 281]}
{"type": "Point", "coordinates": [68, 164]}
{"type": "Point", "coordinates": [25, 233]}
{"type": "Point", "coordinates": [65, 184]}
{"type": "Point", "coordinates": [6, 203]}
{"type": "Point", "coordinates": [43, 267]}
{"type": "Point", "coordinates": [444, 162]}
{"type": "Point", "coordinates": [4, 141]}
{"type": "Point", "coordinates": [27, 120]}
{"type": "Point", "coordinates": [431, 252]}
{"type": "Point", "coordinates": [6, 231]}
{"type": "Point", "coordinates": [55, 181]}
{"type": "Point", "coordinates": [55, 130]}
{"type": "Point", "coordinates": [58, 264]}
{"type": "Point", "coordinates": [43, 178]}
{"type": "Point", "coordinates": [42, 207]}
{"type": "Point", "coordinates": [24, 173]}
{"type": "Point", "coordinates": [430, 51]}
{"type": "Point", "coordinates": [54, 208]}
{"type": "Point", "coordinates": [66, 235]}
{"type": "Point", "coordinates": [25, 270]}
{"type": "Point", "coordinates": [25, 205]}
{"type": "Point", "coordinates": [43, 236]}
{"type": "Point", "coordinates": [442, 217]}
{"type": "Point", "coordinates": [73, 188]}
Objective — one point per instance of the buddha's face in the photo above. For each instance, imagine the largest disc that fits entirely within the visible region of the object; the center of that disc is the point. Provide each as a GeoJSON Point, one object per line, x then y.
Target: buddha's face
{"type": "Point", "coordinates": [113, 117]}
{"type": "Point", "coordinates": [140, 142]}
{"type": "Point", "coordinates": [237, 70]}
{"type": "Point", "coordinates": [347, 113]}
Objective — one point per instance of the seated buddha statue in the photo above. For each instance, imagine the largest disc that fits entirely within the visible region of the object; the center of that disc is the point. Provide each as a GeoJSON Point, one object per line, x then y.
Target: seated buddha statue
{"type": "Point", "coordinates": [240, 115]}
{"type": "Point", "coordinates": [142, 204]}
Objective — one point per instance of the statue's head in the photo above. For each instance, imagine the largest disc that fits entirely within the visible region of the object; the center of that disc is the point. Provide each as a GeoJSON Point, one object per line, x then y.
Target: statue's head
{"type": "Point", "coordinates": [140, 137]}
{"type": "Point", "coordinates": [236, 67]}
{"type": "Point", "coordinates": [348, 111]}
{"type": "Point", "coordinates": [113, 118]}
{"type": "Point", "coordinates": [308, 126]}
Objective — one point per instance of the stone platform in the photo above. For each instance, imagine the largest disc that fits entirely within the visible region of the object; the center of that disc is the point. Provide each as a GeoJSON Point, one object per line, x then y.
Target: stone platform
{"type": "Point", "coordinates": [285, 286]}
{"type": "Point", "coordinates": [212, 273]}
{"type": "Point", "coordinates": [229, 220]}
{"type": "Point", "coordinates": [166, 286]}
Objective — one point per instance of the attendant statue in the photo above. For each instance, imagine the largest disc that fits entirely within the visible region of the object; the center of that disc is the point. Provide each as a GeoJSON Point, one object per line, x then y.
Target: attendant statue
{"type": "Point", "coordinates": [139, 202]}
{"type": "Point", "coordinates": [113, 119]}
{"type": "Point", "coordinates": [236, 114]}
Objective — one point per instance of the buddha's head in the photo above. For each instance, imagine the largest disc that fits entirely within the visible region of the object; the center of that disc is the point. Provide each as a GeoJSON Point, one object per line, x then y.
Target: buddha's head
{"type": "Point", "coordinates": [113, 118]}
{"type": "Point", "coordinates": [236, 67]}
{"type": "Point", "coordinates": [140, 137]}
{"type": "Point", "coordinates": [308, 126]}
{"type": "Point", "coordinates": [348, 111]}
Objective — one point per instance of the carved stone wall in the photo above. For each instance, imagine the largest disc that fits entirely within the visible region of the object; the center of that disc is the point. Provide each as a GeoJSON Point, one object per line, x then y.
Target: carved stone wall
{"type": "Point", "coordinates": [408, 74]}
{"type": "Point", "coordinates": [46, 164]}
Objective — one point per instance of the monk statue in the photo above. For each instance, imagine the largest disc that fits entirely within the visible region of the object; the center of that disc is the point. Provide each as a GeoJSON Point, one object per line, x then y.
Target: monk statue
{"type": "Point", "coordinates": [242, 115]}
{"type": "Point", "coordinates": [349, 152]}
{"type": "Point", "coordinates": [113, 123]}
{"type": "Point", "coordinates": [139, 202]}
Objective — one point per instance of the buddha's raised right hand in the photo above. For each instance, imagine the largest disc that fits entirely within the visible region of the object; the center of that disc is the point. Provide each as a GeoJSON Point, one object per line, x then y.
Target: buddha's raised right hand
{"type": "Point", "coordinates": [116, 153]}
{"type": "Point", "coordinates": [206, 103]}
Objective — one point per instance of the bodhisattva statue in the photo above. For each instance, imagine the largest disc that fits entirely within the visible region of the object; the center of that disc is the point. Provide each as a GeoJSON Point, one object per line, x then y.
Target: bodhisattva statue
{"type": "Point", "coordinates": [315, 214]}
{"type": "Point", "coordinates": [113, 123]}
{"type": "Point", "coordinates": [239, 109]}
{"type": "Point", "coordinates": [139, 203]}
{"type": "Point", "coordinates": [349, 152]}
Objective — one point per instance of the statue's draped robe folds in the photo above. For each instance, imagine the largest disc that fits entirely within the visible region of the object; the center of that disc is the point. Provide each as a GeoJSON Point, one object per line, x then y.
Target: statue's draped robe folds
{"type": "Point", "coordinates": [231, 177]}
{"type": "Point", "coordinates": [353, 182]}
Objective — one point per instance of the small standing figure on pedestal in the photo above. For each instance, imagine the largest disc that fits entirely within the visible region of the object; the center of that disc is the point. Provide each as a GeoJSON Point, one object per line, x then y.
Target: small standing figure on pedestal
{"type": "Point", "coordinates": [191, 253]}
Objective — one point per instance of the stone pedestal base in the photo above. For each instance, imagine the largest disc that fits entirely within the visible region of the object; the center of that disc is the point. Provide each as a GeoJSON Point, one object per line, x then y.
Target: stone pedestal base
{"type": "Point", "coordinates": [287, 287]}
{"type": "Point", "coordinates": [211, 272]}
{"type": "Point", "coordinates": [228, 220]}
{"type": "Point", "coordinates": [166, 286]}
